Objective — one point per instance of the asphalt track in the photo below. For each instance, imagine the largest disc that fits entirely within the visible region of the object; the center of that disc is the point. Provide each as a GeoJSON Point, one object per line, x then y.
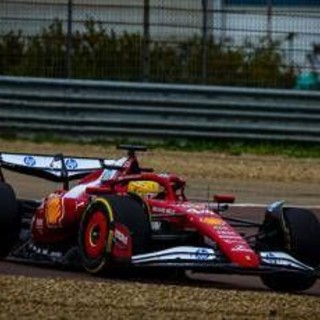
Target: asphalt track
{"type": "Point", "coordinates": [254, 213]}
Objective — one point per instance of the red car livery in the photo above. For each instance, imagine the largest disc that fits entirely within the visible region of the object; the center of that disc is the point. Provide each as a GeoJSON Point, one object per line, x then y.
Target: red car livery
{"type": "Point", "coordinates": [119, 215]}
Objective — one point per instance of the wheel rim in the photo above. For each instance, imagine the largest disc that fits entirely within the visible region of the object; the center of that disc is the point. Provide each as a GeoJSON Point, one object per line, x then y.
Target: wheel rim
{"type": "Point", "coordinates": [95, 235]}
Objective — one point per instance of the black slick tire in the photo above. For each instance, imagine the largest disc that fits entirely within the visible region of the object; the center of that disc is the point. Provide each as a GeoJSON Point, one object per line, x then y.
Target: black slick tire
{"type": "Point", "coordinates": [10, 221]}
{"type": "Point", "coordinates": [300, 238]}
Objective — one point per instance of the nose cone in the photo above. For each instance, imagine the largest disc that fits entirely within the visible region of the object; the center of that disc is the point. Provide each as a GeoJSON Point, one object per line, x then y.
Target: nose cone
{"type": "Point", "coordinates": [230, 242]}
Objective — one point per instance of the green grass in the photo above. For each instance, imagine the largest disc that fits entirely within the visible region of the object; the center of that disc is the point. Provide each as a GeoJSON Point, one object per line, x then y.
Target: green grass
{"type": "Point", "coordinates": [290, 149]}
{"type": "Point", "coordinates": [232, 147]}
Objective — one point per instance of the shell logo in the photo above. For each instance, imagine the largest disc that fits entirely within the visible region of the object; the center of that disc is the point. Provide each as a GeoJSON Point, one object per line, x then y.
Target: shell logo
{"type": "Point", "coordinates": [53, 211]}
{"type": "Point", "coordinates": [212, 221]}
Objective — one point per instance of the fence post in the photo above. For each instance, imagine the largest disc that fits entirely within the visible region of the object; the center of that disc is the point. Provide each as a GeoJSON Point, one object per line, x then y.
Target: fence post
{"type": "Point", "coordinates": [146, 42]}
{"type": "Point", "coordinates": [223, 21]}
{"type": "Point", "coordinates": [69, 40]}
{"type": "Point", "coordinates": [269, 21]}
{"type": "Point", "coordinates": [204, 49]}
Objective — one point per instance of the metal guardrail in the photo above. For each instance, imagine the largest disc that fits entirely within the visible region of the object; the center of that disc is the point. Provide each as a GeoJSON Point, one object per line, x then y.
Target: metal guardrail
{"type": "Point", "coordinates": [96, 109]}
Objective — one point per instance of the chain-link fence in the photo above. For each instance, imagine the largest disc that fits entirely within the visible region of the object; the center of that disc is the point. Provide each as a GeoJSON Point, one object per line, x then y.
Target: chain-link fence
{"type": "Point", "coordinates": [266, 43]}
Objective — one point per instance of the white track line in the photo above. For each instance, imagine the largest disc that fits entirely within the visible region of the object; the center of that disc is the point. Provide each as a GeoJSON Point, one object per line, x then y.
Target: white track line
{"type": "Point", "coordinates": [261, 205]}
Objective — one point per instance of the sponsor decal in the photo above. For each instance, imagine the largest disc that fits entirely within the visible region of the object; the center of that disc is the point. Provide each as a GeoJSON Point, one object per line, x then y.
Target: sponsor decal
{"type": "Point", "coordinates": [122, 244]}
{"type": "Point", "coordinates": [230, 237]}
{"type": "Point", "coordinates": [54, 211]}
{"type": "Point", "coordinates": [275, 259]}
{"type": "Point", "coordinates": [283, 259]}
{"type": "Point", "coordinates": [202, 254]}
{"type": "Point", "coordinates": [163, 210]}
{"type": "Point", "coordinates": [279, 259]}
{"type": "Point", "coordinates": [219, 227]}
{"type": "Point", "coordinates": [121, 237]}
{"type": "Point", "coordinates": [270, 255]}
{"type": "Point", "coordinates": [195, 208]}
{"type": "Point", "coordinates": [227, 233]}
{"type": "Point", "coordinates": [71, 164]}
{"type": "Point", "coordinates": [159, 210]}
{"type": "Point", "coordinates": [45, 251]}
{"type": "Point", "coordinates": [241, 248]}
{"type": "Point", "coordinates": [155, 225]}
{"type": "Point", "coordinates": [29, 161]}
{"type": "Point", "coordinates": [232, 241]}
{"type": "Point", "coordinates": [213, 221]}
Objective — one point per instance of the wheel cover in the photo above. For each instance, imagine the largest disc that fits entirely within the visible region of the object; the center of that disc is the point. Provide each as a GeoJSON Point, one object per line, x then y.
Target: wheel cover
{"type": "Point", "coordinates": [95, 235]}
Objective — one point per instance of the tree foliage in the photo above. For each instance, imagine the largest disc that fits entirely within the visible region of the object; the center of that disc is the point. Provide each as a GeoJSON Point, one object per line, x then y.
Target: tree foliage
{"type": "Point", "coordinates": [100, 54]}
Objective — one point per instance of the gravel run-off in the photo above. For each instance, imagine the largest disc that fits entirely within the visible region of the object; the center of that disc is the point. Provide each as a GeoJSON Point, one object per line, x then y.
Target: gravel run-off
{"type": "Point", "coordinates": [32, 298]}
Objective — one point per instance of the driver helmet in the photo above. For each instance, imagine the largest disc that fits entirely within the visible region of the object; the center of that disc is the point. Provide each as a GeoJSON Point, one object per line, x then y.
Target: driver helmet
{"type": "Point", "coordinates": [144, 188]}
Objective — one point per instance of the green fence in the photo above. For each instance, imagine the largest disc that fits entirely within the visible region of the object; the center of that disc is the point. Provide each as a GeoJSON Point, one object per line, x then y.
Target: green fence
{"type": "Point", "coordinates": [214, 42]}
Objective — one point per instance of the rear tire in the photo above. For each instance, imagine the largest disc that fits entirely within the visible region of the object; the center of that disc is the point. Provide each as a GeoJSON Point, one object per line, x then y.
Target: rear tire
{"type": "Point", "coordinates": [97, 229]}
{"type": "Point", "coordinates": [10, 221]}
{"type": "Point", "coordinates": [299, 235]}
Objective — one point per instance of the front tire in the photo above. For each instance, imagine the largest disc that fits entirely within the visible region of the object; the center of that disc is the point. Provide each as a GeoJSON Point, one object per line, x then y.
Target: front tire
{"type": "Point", "coordinates": [96, 232]}
{"type": "Point", "coordinates": [284, 282]}
{"type": "Point", "coordinates": [297, 233]}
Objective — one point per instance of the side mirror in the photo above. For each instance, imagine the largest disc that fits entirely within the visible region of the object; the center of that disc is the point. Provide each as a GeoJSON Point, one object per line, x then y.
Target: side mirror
{"type": "Point", "coordinates": [224, 198]}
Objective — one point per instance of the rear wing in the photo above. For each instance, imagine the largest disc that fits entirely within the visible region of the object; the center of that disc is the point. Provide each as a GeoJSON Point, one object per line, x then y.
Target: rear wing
{"type": "Point", "coordinates": [61, 168]}
{"type": "Point", "coordinates": [57, 168]}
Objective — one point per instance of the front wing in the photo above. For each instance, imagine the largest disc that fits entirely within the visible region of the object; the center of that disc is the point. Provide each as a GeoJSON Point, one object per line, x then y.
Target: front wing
{"type": "Point", "coordinates": [200, 259]}
{"type": "Point", "coordinates": [204, 259]}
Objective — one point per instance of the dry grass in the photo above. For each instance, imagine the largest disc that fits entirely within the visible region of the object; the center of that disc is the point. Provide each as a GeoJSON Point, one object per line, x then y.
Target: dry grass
{"type": "Point", "coordinates": [204, 165]}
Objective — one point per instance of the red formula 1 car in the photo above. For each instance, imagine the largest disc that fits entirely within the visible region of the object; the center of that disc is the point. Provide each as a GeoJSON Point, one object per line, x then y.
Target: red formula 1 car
{"type": "Point", "coordinates": [119, 215]}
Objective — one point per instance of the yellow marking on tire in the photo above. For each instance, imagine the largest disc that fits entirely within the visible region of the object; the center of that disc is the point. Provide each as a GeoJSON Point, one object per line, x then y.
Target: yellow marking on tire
{"type": "Point", "coordinates": [109, 241]}
{"type": "Point", "coordinates": [110, 213]}
{"type": "Point", "coordinates": [107, 204]}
